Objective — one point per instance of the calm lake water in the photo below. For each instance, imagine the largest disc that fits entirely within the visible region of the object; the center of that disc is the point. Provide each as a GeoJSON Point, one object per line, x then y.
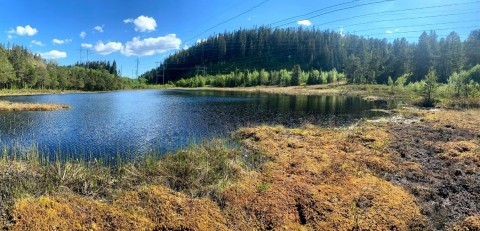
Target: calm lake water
{"type": "Point", "coordinates": [128, 121]}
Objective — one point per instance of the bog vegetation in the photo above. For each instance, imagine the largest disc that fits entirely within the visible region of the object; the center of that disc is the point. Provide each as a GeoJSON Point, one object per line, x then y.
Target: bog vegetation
{"type": "Point", "coordinates": [306, 178]}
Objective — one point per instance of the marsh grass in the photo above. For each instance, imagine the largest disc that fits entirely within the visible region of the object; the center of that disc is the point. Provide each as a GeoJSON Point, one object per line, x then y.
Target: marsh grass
{"type": "Point", "coordinates": [11, 106]}
{"type": "Point", "coordinates": [201, 170]}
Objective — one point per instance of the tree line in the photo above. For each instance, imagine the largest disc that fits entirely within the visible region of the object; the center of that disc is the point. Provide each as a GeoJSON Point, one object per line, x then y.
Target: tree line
{"type": "Point", "coordinates": [363, 60]}
{"type": "Point", "coordinates": [247, 78]}
{"type": "Point", "coordinates": [20, 68]}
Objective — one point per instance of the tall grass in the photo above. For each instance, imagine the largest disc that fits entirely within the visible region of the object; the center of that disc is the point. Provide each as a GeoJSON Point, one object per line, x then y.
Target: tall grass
{"type": "Point", "coordinates": [201, 170]}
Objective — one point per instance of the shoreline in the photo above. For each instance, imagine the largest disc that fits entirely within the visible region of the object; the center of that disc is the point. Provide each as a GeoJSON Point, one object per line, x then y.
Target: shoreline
{"type": "Point", "coordinates": [368, 92]}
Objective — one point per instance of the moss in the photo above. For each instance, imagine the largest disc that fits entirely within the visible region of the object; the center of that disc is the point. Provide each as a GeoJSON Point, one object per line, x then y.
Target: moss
{"type": "Point", "coordinates": [71, 212]}
{"type": "Point", "coordinates": [471, 223]}
{"type": "Point", "coordinates": [322, 179]}
{"type": "Point", "coordinates": [170, 210]}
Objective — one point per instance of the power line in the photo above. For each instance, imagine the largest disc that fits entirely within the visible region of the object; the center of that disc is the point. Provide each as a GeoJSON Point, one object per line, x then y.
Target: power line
{"type": "Point", "coordinates": [228, 20]}
{"type": "Point", "coordinates": [315, 11]}
{"type": "Point", "coordinates": [395, 11]}
{"type": "Point", "coordinates": [337, 10]}
{"type": "Point", "coordinates": [430, 24]}
{"type": "Point", "coordinates": [413, 31]}
{"type": "Point", "coordinates": [419, 17]}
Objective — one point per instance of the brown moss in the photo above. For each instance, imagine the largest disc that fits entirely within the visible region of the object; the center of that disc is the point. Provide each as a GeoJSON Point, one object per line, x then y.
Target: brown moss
{"type": "Point", "coordinates": [471, 223]}
{"type": "Point", "coordinates": [169, 210]}
{"type": "Point", "coordinates": [70, 212]}
{"type": "Point", "coordinates": [321, 179]}
{"type": "Point", "coordinates": [458, 150]}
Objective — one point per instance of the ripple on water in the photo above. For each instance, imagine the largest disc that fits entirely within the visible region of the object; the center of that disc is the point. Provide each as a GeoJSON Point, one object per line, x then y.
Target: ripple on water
{"type": "Point", "coordinates": [126, 121]}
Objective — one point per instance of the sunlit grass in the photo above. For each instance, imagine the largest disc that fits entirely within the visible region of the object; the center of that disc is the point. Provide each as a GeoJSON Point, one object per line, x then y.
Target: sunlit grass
{"type": "Point", "coordinates": [15, 106]}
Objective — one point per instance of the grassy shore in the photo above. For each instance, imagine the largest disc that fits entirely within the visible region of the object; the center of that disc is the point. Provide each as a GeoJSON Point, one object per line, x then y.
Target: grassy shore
{"type": "Point", "coordinates": [375, 175]}
{"type": "Point", "coordinates": [368, 92]}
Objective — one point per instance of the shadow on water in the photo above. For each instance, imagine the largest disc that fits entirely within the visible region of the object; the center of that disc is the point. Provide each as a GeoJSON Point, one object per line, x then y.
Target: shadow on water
{"type": "Point", "coordinates": [132, 122]}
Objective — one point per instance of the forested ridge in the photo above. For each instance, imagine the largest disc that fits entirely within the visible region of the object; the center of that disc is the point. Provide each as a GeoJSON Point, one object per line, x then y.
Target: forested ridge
{"type": "Point", "coordinates": [363, 60]}
{"type": "Point", "coordinates": [20, 69]}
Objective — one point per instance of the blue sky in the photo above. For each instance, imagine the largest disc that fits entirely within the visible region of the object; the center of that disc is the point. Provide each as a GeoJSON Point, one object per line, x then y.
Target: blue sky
{"type": "Point", "coordinates": [151, 30]}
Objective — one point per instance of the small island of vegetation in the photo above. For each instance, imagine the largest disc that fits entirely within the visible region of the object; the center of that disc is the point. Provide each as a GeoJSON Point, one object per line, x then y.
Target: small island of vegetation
{"type": "Point", "coordinates": [10, 106]}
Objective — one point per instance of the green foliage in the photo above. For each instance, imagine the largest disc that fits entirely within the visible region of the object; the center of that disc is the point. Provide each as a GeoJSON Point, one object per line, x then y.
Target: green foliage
{"type": "Point", "coordinates": [402, 80]}
{"type": "Point", "coordinates": [429, 88]}
{"type": "Point", "coordinates": [281, 78]}
{"type": "Point", "coordinates": [363, 60]}
{"type": "Point", "coordinates": [390, 81]}
{"type": "Point", "coordinates": [20, 69]}
{"type": "Point", "coordinates": [200, 170]}
{"type": "Point", "coordinates": [296, 72]}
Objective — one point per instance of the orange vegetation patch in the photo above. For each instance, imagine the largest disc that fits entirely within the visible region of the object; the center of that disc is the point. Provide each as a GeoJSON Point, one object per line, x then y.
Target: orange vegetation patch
{"type": "Point", "coordinates": [464, 120]}
{"type": "Point", "coordinates": [150, 208]}
{"type": "Point", "coordinates": [470, 223]}
{"type": "Point", "coordinates": [70, 212]}
{"type": "Point", "coordinates": [321, 179]}
{"type": "Point", "coordinates": [170, 210]}
{"type": "Point", "coordinates": [10, 106]}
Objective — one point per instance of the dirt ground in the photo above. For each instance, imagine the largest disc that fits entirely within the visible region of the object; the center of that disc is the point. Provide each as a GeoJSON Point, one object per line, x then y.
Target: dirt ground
{"type": "Point", "coordinates": [442, 158]}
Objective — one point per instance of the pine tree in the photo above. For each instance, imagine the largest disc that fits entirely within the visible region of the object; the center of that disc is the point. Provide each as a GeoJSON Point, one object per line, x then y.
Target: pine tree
{"type": "Point", "coordinates": [430, 87]}
{"type": "Point", "coordinates": [296, 72]}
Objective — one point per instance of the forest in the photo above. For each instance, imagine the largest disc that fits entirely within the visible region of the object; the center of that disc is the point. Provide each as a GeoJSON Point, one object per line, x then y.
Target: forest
{"type": "Point", "coordinates": [20, 69]}
{"type": "Point", "coordinates": [362, 60]}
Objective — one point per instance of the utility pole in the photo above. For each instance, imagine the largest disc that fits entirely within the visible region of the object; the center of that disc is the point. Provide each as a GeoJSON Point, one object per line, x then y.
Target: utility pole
{"type": "Point", "coordinates": [81, 49]}
{"type": "Point", "coordinates": [137, 68]}
{"type": "Point", "coordinates": [162, 75]}
{"type": "Point", "coordinates": [87, 53]}
{"type": "Point", "coordinates": [202, 69]}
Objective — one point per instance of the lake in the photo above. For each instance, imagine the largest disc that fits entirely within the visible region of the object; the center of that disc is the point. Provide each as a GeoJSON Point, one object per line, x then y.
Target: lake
{"type": "Point", "coordinates": [103, 124]}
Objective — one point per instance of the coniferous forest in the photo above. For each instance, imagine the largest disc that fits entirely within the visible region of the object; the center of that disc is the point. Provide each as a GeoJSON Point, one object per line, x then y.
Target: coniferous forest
{"type": "Point", "coordinates": [362, 60]}
{"type": "Point", "coordinates": [20, 69]}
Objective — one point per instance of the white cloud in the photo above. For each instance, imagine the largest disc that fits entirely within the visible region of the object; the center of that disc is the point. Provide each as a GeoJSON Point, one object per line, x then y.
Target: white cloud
{"type": "Point", "coordinates": [201, 40]}
{"type": "Point", "coordinates": [53, 54]}
{"type": "Point", "coordinates": [304, 22]}
{"type": "Point", "coordinates": [10, 36]}
{"type": "Point", "coordinates": [151, 46]}
{"type": "Point", "coordinates": [27, 30]}
{"type": "Point", "coordinates": [99, 28]}
{"type": "Point", "coordinates": [60, 41]}
{"type": "Point", "coordinates": [38, 43]}
{"type": "Point", "coordinates": [389, 32]}
{"type": "Point", "coordinates": [86, 45]}
{"type": "Point", "coordinates": [143, 23]}
{"type": "Point", "coordinates": [108, 48]}
{"type": "Point", "coordinates": [185, 47]}
{"type": "Point", "coordinates": [83, 34]}
{"type": "Point", "coordinates": [397, 30]}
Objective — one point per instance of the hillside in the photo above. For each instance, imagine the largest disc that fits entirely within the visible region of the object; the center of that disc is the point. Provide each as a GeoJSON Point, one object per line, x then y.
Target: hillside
{"type": "Point", "coordinates": [21, 69]}
{"type": "Point", "coordinates": [363, 60]}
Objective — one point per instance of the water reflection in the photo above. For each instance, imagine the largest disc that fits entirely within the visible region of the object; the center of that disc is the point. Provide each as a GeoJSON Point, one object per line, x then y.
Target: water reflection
{"type": "Point", "coordinates": [136, 121]}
